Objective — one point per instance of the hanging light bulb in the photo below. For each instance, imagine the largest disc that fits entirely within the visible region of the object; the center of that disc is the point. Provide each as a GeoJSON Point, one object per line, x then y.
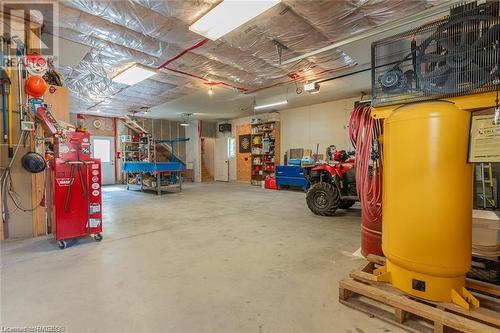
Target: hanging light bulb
{"type": "Point", "coordinates": [210, 91]}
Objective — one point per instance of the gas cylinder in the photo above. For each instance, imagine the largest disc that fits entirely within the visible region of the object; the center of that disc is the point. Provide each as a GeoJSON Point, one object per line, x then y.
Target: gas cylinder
{"type": "Point", "coordinates": [427, 201]}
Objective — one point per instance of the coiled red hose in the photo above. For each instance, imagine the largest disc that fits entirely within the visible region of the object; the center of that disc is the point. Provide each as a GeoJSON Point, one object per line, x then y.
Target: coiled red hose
{"type": "Point", "coordinates": [364, 132]}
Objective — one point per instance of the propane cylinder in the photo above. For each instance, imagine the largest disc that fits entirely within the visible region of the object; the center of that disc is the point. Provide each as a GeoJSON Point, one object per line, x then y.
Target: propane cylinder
{"type": "Point", "coordinates": [427, 200]}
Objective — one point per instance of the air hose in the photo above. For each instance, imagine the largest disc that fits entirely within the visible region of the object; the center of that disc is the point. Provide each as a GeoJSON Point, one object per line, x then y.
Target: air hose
{"type": "Point", "coordinates": [364, 133]}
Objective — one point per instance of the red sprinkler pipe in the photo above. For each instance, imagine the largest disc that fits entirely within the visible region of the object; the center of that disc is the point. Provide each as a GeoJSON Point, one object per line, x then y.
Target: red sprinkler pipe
{"type": "Point", "coordinates": [205, 79]}
{"type": "Point", "coordinates": [244, 90]}
{"type": "Point", "coordinates": [195, 46]}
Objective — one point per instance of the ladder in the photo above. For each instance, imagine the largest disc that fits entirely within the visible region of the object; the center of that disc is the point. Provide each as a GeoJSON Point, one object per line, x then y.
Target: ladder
{"type": "Point", "coordinates": [133, 125]}
{"type": "Point", "coordinates": [487, 192]}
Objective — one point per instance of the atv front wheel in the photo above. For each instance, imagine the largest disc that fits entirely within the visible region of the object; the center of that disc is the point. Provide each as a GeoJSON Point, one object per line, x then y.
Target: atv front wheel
{"type": "Point", "coordinates": [323, 199]}
{"type": "Point", "coordinates": [344, 204]}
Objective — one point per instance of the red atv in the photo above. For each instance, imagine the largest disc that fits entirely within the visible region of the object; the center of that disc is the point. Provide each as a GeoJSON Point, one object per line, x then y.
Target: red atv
{"type": "Point", "coordinates": [333, 185]}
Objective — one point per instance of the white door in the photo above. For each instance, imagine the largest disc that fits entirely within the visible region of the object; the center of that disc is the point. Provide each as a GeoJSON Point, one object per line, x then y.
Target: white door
{"type": "Point", "coordinates": [221, 157]}
{"type": "Point", "coordinates": [103, 147]}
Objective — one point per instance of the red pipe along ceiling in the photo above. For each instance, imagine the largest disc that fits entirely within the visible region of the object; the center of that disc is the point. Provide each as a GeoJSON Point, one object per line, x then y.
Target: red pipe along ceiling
{"type": "Point", "coordinates": [293, 76]}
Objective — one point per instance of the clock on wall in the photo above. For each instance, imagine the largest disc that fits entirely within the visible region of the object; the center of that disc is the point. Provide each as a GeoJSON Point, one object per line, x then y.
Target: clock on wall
{"type": "Point", "coordinates": [97, 123]}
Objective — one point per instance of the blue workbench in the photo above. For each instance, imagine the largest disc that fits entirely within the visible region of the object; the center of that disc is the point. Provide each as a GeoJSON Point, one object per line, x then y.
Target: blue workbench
{"type": "Point", "coordinates": [155, 168]}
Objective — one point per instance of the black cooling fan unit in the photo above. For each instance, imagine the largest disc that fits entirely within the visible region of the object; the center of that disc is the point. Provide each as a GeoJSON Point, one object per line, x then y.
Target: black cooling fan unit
{"type": "Point", "coordinates": [456, 55]}
{"type": "Point", "coordinates": [462, 55]}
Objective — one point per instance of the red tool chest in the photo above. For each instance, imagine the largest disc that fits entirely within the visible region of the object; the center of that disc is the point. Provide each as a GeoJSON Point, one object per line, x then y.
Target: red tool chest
{"type": "Point", "coordinates": [77, 195]}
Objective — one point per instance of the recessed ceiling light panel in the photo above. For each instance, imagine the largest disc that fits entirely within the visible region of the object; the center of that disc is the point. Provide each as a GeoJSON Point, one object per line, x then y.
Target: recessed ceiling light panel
{"type": "Point", "coordinates": [134, 74]}
{"type": "Point", "coordinates": [229, 15]}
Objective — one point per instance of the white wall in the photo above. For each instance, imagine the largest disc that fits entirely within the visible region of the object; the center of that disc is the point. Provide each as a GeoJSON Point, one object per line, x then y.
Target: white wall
{"type": "Point", "coordinates": [305, 127]}
{"type": "Point", "coordinates": [193, 150]}
{"type": "Point", "coordinates": [324, 124]}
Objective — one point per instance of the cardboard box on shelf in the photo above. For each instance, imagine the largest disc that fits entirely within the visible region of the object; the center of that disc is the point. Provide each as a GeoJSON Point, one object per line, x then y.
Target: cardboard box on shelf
{"type": "Point", "coordinates": [308, 152]}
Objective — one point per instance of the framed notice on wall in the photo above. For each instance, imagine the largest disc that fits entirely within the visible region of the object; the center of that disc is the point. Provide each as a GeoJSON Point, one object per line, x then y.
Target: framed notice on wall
{"type": "Point", "coordinates": [484, 143]}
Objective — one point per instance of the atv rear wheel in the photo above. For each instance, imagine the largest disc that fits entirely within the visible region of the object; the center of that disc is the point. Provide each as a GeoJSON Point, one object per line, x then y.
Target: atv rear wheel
{"type": "Point", "coordinates": [344, 204]}
{"type": "Point", "coordinates": [323, 199]}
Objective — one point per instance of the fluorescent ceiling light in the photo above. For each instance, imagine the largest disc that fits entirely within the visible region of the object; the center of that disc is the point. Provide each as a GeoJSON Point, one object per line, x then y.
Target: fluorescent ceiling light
{"type": "Point", "coordinates": [184, 124]}
{"type": "Point", "coordinates": [229, 15]}
{"type": "Point", "coordinates": [264, 106]}
{"type": "Point", "coordinates": [134, 74]}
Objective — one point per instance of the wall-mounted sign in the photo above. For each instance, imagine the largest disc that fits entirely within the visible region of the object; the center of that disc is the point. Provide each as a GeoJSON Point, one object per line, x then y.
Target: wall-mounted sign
{"type": "Point", "coordinates": [484, 140]}
{"type": "Point", "coordinates": [244, 143]}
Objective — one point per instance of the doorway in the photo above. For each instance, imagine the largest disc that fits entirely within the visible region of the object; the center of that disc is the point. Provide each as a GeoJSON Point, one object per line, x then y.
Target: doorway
{"type": "Point", "coordinates": [103, 147]}
{"type": "Point", "coordinates": [222, 159]}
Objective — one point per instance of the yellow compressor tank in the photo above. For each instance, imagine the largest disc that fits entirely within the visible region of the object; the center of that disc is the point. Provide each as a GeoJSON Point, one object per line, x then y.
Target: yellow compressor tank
{"type": "Point", "coordinates": [427, 201]}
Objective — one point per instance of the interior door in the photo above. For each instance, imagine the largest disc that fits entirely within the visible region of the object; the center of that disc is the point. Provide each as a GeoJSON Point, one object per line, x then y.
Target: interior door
{"type": "Point", "coordinates": [221, 157]}
{"type": "Point", "coordinates": [103, 147]}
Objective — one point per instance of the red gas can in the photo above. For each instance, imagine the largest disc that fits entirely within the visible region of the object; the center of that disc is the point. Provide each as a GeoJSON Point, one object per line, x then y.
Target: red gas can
{"type": "Point", "coordinates": [270, 183]}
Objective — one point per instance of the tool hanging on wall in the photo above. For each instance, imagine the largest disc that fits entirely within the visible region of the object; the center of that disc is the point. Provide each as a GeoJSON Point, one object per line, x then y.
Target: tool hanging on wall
{"type": "Point", "coordinates": [9, 99]}
{"type": "Point", "coordinates": [19, 68]}
{"type": "Point", "coordinates": [5, 84]}
{"type": "Point", "coordinates": [52, 77]}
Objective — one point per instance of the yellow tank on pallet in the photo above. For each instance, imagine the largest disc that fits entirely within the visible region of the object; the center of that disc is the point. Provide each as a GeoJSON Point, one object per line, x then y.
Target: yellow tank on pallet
{"type": "Point", "coordinates": [427, 199]}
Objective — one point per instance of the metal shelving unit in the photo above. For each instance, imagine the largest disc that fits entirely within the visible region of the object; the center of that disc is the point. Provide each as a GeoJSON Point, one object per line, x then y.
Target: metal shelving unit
{"type": "Point", "coordinates": [265, 150]}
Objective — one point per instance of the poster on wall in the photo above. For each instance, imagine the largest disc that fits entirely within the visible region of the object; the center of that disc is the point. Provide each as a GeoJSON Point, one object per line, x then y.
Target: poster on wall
{"type": "Point", "coordinates": [244, 144]}
{"type": "Point", "coordinates": [484, 140]}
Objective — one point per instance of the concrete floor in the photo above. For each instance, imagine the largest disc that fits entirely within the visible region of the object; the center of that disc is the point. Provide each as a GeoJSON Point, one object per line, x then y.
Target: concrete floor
{"type": "Point", "coordinates": [215, 258]}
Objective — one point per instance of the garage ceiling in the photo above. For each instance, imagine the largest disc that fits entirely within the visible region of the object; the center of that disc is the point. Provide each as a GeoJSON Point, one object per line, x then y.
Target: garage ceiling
{"type": "Point", "coordinates": [239, 65]}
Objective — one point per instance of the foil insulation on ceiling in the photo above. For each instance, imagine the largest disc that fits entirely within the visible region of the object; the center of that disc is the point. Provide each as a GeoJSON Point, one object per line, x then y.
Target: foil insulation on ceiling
{"type": "Point", "coordinates": [152, 31]}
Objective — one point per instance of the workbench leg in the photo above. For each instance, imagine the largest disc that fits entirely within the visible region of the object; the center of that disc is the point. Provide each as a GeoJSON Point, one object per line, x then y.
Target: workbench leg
{"type": "Point", "coordinates": [180, 181]}
{"type": "Point", "coordinates": [158, 188]}
{"type": "Point", "coordinates": [142, 181]}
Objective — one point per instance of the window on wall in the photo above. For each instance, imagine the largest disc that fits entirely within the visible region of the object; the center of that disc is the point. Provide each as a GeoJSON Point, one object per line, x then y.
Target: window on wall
{"type": "Point", "coordinates": [231, 147]}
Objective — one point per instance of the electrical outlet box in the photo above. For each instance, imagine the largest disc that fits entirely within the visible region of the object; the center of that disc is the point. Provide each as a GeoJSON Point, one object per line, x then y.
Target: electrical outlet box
{"type": "Point", "coordinates": [28, 126]}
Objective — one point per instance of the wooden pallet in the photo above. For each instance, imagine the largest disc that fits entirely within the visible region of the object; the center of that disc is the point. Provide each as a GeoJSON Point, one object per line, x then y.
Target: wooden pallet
{"type": "Point", "coordinates": [362, 292]}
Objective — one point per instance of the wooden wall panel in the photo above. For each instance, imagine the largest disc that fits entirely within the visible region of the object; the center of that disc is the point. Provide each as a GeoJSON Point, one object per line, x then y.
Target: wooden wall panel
{"type": "Point", "coordinates": [243, 161]}
{"type": "Point", "coordinates": [58, 99]}
{"type": "Point", "coordinates": [277, 142]}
